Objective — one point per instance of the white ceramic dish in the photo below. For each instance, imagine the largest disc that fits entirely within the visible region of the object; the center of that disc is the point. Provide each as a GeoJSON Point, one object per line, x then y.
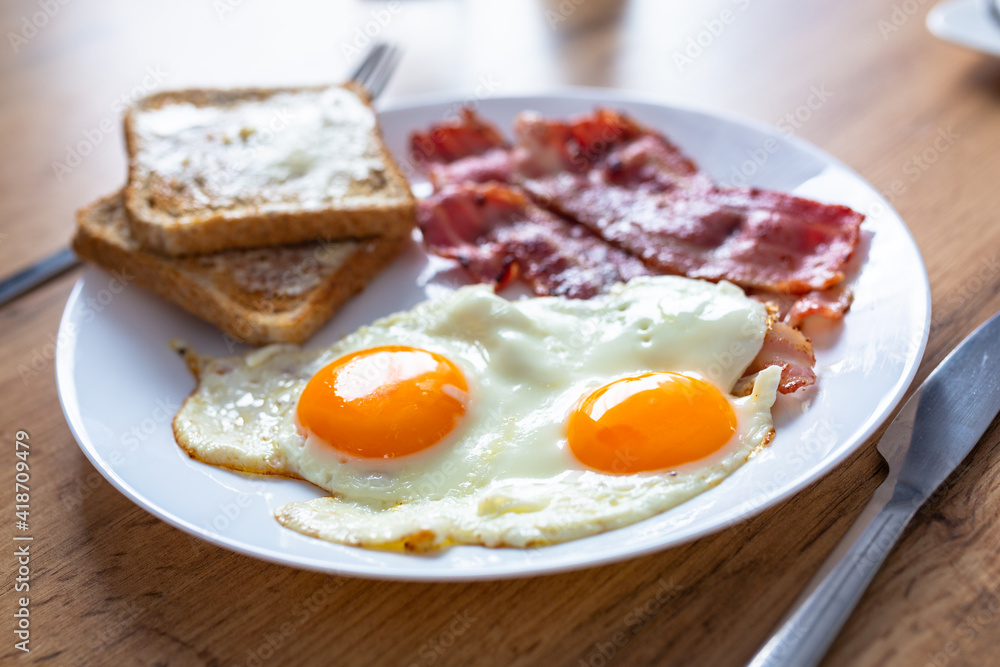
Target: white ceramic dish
{"type": "Point", "coordinates": [119, 383]}
{"type": "Point", "coordinates": [970, 23]}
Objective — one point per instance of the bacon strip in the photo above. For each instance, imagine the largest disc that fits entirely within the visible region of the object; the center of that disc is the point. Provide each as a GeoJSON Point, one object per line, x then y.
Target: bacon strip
{"type": "Point", "coordinates": [466, 149]}
{"type": "Point", "coordinates": [495, 165]}
{"type": "Point", "coordinates": [640, 193]}
{"type": "Point", "coordinates": [793, 309]}
{"type": "Point", "coordinates": [608, 143]}
{"type": "Point", "coordinates": [454, 139]}
{"type": "Point", "coordinates": [754, 238]}
{"type": "Point", "coordinates": [497, 234]}
{"type": "Point", "coordinates": [637, 190]}
{"type": "Point", "coordinates": [785, 347]}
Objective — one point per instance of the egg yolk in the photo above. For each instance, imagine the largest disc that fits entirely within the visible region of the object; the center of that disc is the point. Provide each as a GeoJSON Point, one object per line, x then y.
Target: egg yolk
{"type": "Point", "coordinates": [650, 422]}
{"type": "Point", "coordinates": [384, 402]}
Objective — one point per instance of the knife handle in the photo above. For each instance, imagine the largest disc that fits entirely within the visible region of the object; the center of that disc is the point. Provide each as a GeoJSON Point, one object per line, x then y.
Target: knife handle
{"type": "Point", "coordinates": [817, 618]}
{"type": "Point", "coordinates": [36, 274]}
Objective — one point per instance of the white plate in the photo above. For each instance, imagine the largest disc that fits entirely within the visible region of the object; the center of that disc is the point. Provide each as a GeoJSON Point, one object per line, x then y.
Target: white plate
{"type": "Point", "coordinates": [967, 22]}
{"type": "Point", "coordinates": [119, 383]}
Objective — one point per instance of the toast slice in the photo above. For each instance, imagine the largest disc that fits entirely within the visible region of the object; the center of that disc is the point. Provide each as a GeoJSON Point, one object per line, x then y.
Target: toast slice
{"type": "Point", "coordinates": [280, 294]}
{"type": "Point", "coordinates": [213, 170]}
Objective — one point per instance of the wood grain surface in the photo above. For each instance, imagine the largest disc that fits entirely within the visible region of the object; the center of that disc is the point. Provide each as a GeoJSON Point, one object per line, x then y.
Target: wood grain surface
{"type": "Point", "coordinates": [112, 585]}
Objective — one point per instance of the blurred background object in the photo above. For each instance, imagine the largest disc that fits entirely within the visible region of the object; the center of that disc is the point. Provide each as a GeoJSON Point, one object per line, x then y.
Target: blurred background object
{"type": "Point", "coordinates": [971, 23]}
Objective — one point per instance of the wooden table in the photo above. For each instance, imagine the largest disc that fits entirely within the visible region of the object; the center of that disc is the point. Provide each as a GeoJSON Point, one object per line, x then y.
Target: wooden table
{"type": "Point", "coordinates": [110, 584]}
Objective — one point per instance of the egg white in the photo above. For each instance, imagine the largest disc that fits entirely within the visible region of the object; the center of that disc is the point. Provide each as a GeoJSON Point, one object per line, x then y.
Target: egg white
{"type": "Point", "coordinates": [505, 475]}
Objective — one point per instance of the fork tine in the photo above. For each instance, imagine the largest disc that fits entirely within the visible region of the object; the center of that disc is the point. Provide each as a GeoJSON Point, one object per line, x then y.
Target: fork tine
{"type": "Point", "coordinates": [364, 68]}
{"type": "Point", "coordinates": [377, 67]}
{"type": "Point", "coordinates": [383, 71]}
{"type": "Point", "coordinates": [375, 79]}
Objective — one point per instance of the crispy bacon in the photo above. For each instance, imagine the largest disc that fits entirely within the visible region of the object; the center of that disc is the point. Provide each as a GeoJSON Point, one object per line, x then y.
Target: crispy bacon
{"type": "Point", "coordinates": [638, 191]}
{"type": "Point", "coordinates": [454, 139]}
{"type": "Point", "coordinates": [497, 234]}
{"type": "Point", "coordinates": [788, 348]}
{"type": "Point", "coordinates": [754, 238]}
{"type": "Point", "coordinates": [466, 149]}
{"type": "Point", "coordinates": [606, 144]}
{"type": "Point", "coordinates": [470, 149]}
{"type": "Point", "coordinates": [495, 165]}
{"type": "Point", "coordinates": [831, 304]}
{"type": "Point", "coordinates": [794, 309]}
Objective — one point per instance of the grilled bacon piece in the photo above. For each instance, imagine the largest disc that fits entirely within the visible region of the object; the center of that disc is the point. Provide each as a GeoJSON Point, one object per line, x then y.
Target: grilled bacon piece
{"type": "Point", "coordinates": [788, 348]}
{"type": "Point", "coordinates": [456, 138]}
{"type": "Point", "coordinates": [639, 192]}
{"type": "Point", "coordinates": [830, 303]}
{"type": "Point", "coordinates": [755, 238]}
{"type": "Point", "coordinates": [497, 234]}
{"type": "Point", "coordinates": [605, 146]}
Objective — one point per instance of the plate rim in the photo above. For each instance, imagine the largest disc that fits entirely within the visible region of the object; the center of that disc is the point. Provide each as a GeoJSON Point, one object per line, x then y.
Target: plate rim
{"type": "Point", "coordinates": [67, 337]}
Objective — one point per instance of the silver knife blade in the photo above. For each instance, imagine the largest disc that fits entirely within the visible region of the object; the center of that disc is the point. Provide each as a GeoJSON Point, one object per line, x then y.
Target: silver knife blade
{"type": "Point", "coordinates": [930, 436]}
{"type": "Point", "coordinates": [953, 408]}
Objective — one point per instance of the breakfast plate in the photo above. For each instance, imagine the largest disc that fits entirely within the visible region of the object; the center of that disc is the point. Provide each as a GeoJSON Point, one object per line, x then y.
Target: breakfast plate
{"type": "Point", "coordinates": [120, 384]}
{"type": "Point", "coordinates": [971, 23]}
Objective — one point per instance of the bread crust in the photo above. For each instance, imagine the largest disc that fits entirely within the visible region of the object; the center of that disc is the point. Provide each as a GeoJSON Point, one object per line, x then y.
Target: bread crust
{"type": "Point", "coordinates": [257, 310]}
{"type": "Point", "coordinates": [390, 211]}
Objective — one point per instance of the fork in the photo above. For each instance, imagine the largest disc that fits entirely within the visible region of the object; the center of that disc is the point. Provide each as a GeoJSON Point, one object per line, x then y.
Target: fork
{"type": "Point", "coordinates": [373, 72]}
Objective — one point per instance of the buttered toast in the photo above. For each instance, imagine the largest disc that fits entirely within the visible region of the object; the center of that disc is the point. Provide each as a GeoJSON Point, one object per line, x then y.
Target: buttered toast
{"type": "Point", "coordinates": [213, 170]}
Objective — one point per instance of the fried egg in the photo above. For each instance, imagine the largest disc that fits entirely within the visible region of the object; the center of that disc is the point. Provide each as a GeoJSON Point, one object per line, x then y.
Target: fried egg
{"type": "Point", "coordinates": [472, 419]}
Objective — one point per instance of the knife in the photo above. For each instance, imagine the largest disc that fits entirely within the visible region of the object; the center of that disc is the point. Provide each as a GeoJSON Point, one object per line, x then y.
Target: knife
{"type": "Point", "coordinates": [934, 431]}
{"type": "Point", "coordinates": [36, 274]}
